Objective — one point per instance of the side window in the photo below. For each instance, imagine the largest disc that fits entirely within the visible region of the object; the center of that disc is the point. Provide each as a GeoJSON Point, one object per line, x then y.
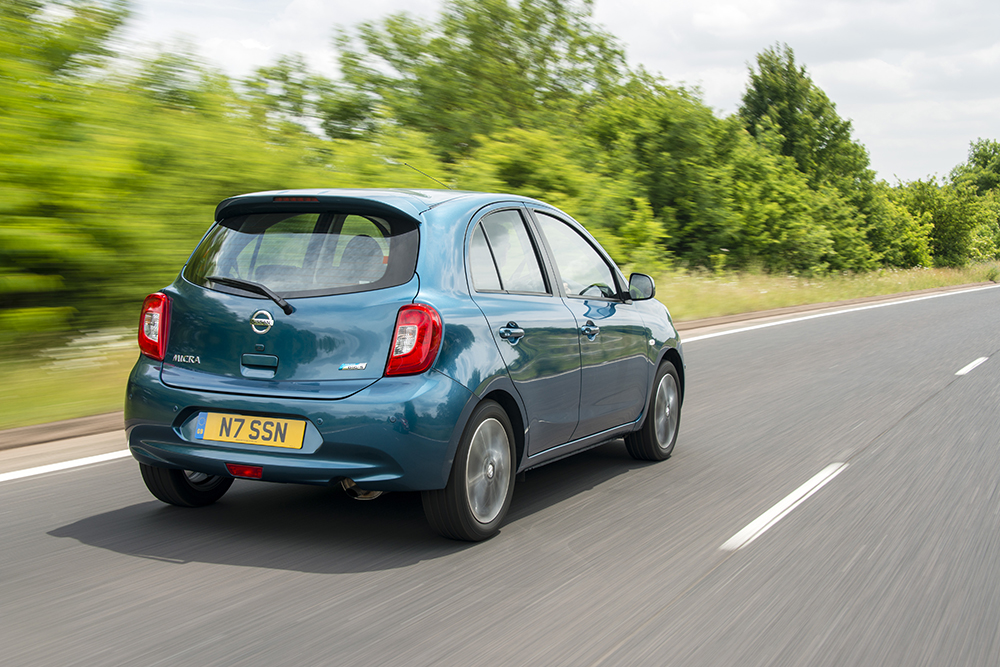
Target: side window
{"type": "Point", "coordinates": [484, 271]}
{"type": "Point", "coordinates": [583, 271]}
{"type": "Point", "coordinates": [505, 252]}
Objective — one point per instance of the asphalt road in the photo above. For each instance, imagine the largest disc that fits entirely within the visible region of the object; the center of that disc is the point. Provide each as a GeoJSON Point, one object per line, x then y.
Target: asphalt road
{"type": "Point", "coordinates": [603, 560]}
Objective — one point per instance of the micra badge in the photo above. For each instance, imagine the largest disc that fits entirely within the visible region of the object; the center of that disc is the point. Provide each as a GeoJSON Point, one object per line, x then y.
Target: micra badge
{"type": "Point", "coordinates": [187, 359]}
{"type": "Point", "coordinates": [353, 367]}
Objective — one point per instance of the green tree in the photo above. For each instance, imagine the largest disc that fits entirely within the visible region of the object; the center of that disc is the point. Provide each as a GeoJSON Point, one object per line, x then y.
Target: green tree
{"type": "Point", "coordinates": [725, 198]}
{"type": "Point", "coordinates": [788, 114]}
{"type": "Point", "coordinates": [643, 239]}
{"type": "Point", "coordinates": [52, 239]}
{"type": "Point", "coordinates": [776, 210]}
{"type": "Point", "coordinates": [485, 66]}
{"type": "Point", "coordinates": [674, 149]}
{"type": "Point", "coordinates": [173, 79]}
{"type": "Point", "coordinates": [63, 42]}
{"type": "Point", "coordinates": [782, 98]}
{"type": "Point", "coordinates": [96, 212]}
{"type": "Point", "coordinates": [898, 236]}
{"type": "Point", "coordinates": [982, 169]}
{"type": "Point", "coordinates": [538, 164]}
{"type": "Point", "coordinates": [288, 97]}
{"type": "Point", "coordinates": [964, 224]}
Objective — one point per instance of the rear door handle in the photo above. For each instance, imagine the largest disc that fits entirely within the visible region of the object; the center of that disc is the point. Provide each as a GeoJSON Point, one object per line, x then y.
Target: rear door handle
{"type": "Point", "coordinates": [511, 333]}
{"type": "Point", "coordinates": [590, 330]}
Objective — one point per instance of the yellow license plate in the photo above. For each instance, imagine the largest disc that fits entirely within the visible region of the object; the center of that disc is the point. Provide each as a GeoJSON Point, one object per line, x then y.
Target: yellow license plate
{"type": "Point", "coordinates": [251, 430]}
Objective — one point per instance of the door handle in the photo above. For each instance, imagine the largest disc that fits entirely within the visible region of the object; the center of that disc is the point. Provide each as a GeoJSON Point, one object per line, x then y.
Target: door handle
{"type": "Point", "coordinates": [590, 330]}
{"type": "Point", "coordinates": [511, 333]}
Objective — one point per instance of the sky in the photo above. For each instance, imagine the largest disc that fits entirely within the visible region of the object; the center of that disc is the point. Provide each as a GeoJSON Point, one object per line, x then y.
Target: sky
{"type": "Point", "coordinates": [919, 79]}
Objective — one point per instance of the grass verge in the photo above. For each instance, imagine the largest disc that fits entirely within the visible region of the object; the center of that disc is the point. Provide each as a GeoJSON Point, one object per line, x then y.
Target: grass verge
{"type": "Point", "coordinates": [87, 376]}
{"type": "Point", "coordinates": [693, 296]}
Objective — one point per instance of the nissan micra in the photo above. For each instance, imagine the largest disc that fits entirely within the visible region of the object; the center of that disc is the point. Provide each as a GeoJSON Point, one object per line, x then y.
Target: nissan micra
{"type": "Point", "coordinates": [397, 340]}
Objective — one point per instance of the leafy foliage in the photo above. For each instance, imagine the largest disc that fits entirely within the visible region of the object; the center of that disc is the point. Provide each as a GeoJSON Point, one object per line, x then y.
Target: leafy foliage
{"type": "Point", "coordinates": [982, 170]}
{"type": "Point", "coordinates": [963, 224]}
{"type": "Point", "coordinates": [782, 99]}
{"type": "Point", "coordinates": [110, 169]}
{"type": "Point", "coordinates": [485, 67]}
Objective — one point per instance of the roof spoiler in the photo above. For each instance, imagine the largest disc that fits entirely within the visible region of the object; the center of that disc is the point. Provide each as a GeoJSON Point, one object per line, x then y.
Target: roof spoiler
{"type": "Point", "coordinates": [282, 202]}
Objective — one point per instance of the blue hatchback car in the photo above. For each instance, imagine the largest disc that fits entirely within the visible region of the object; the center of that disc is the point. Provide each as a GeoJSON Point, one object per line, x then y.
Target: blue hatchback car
{"type": "Point", "coordinates": [397, 340]}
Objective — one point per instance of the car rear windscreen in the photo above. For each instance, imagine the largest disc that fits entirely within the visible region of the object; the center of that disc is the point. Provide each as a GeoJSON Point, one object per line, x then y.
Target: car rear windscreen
{"type": "Point", "coordinates": [307, 254]}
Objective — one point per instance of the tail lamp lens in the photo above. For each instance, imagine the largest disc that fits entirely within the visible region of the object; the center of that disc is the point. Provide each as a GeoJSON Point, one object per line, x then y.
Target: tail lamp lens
{"type": "Point", "coordinates": [416, 340]}
{"type": "Point", "coordinates": [153, 325]}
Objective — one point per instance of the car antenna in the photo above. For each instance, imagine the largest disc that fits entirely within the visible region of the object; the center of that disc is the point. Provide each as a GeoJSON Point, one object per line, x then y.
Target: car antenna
{"type": "Point", "coordinates": [406, 164]}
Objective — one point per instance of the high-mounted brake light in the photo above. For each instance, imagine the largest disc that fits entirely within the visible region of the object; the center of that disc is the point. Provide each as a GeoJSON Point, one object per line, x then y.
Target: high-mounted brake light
{"type": "Point", "coordinates": [415, 341]}
{"type": "Point", "coordinates": [295, 199]}
{"type": "Point", "coordinates": [153, 325]}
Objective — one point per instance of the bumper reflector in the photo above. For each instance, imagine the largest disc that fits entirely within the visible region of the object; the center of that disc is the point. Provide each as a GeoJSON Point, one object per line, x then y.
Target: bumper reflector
{"type": "Point", "coordinates": [237, 470]}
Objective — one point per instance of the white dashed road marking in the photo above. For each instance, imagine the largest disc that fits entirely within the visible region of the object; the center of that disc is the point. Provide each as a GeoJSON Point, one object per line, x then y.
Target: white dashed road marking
{"type": "Point", "coordinates": [968, 368]}
{"type": "Point", "coordinates": [759, 525]}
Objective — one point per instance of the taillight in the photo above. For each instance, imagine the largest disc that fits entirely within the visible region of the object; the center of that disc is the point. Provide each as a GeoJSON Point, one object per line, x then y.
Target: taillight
{"type": "Point", "coordinates": [153, 325]}
{"type": "Point", "coordinates": [415, 340]}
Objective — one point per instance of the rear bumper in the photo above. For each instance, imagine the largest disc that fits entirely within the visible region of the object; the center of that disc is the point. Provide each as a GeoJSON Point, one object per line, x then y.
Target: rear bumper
{"type": "Point", "coordinates": [399, 434]}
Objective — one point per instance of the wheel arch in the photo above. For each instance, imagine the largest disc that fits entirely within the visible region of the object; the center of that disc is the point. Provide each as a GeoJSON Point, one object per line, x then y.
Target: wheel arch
{"type": "Point", "coordinates": [673, 356]}
{"type": "Point", "coordinates": [513, 410]}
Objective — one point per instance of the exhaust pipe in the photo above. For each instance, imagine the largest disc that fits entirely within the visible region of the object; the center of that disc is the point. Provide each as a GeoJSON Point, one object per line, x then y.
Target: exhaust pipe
{"type": "Point", "coordinates": [356, 492]}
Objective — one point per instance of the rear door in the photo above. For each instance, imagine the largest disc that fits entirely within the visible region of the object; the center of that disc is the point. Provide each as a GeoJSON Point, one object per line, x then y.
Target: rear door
{"type": "Point", "coordinates": [534, 330]}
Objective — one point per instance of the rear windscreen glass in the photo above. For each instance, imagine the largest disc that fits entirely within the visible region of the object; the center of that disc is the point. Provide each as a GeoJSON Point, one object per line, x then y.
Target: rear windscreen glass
{"type": "Point", "coordinates": [307, 254]}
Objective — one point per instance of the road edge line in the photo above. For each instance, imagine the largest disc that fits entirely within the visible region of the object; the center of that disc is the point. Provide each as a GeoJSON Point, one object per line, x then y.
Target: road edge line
{"type": "Point", "coordinates": [64, 465]}
{"type": "Point", "coordinates": [814, 316]}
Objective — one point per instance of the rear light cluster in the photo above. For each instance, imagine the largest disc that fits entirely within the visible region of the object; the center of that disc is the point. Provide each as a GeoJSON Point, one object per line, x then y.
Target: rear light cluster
{"type": "Point", "coordinates": [416, 340]}
{"type": "Point", "coordinates": [153, 325]}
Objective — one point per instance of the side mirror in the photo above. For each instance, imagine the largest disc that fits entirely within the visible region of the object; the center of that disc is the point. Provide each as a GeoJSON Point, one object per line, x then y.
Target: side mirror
{"type": "Point", "coordinates": [641, 287]}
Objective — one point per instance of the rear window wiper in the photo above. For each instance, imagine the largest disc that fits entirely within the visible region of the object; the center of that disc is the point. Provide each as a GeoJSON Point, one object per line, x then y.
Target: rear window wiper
{"type": "Point", "coordinates": [254, 287]}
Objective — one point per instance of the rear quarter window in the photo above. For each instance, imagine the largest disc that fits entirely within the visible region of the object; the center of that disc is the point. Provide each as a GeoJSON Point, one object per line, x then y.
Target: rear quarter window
{"type": "Point", "coordinates": [307, 254]}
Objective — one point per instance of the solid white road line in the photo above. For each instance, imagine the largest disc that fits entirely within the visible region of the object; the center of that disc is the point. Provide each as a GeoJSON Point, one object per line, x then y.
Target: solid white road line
{"type": "Point", "coordinates": [828, 314]}
{"type": "Point", "coordinates": [65, 465]}
{"type": "Point", "coordinates": [778, 512]}
{"type": "Point", "coordinates": [966, 369]}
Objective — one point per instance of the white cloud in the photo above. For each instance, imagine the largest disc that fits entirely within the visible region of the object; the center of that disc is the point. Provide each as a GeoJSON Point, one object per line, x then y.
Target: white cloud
{"type": "Point", "coordinates": [876, 76]}
{"type": "Point", "coordinates": [253, 45]}
{"type": "Point", "coordinates": [723, 20]}
{"type": "Point", "coordinates": [988, 57]}
{"type": "Point", "coordinates": [922, 138]}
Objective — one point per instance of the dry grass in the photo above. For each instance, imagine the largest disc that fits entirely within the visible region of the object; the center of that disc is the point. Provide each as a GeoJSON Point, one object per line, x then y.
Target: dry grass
{"type": "Point", "coordinates": [85, 377]}
{"type": "Point", "coordinates": [692, 296]}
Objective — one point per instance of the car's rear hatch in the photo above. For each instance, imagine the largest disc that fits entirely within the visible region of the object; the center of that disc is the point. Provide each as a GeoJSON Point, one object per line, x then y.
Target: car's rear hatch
{"type": "Point", "coordinates": [344, 273]}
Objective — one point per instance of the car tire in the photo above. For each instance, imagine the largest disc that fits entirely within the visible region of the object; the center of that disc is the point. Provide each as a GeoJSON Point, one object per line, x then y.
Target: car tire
{"type": "Point", "coordinates": [481, 484]}
{"type": "Point", "coordinates": [654, 441]}
{"type": "Point", "coordinates": [184, 488]}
